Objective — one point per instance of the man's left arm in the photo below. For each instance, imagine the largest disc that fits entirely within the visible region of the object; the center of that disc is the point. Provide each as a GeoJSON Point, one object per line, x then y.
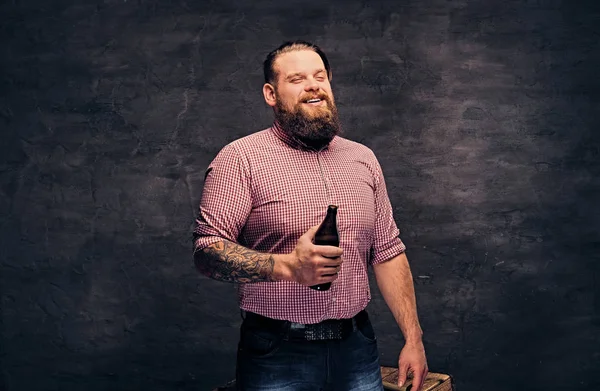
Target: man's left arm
{"type": "Point", "coordinates": [395, 282]}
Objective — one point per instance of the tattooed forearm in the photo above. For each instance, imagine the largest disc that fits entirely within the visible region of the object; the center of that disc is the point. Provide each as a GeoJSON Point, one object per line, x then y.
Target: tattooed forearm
{"type": "Point", "coordinates": [229, 262]}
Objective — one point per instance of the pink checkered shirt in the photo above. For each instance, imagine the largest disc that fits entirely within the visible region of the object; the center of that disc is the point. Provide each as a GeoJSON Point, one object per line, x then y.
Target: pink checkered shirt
{"type": "Point", "coordinates": [265, 190]}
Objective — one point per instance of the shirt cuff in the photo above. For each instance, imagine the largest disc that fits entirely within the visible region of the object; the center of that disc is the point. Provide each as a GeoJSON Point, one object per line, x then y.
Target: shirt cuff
{"type": "Point", "coordinates": [394, 248]}
{"type": "Point", "coordinates": [201, 242]}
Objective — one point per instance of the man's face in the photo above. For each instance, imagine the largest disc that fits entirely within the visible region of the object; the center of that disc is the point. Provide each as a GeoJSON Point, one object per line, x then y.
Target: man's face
{"type": "Point", "coordinates": [302, 97]}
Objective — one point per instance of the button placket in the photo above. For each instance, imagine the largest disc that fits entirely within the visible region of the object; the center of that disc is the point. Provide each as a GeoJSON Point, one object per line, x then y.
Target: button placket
{"type": "Point", "coordinates": [325, 179]}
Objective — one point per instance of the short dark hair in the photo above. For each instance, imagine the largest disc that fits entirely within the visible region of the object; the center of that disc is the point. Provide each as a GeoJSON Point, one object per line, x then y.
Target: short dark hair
{"type": "Point", "coordinates": [291, 46]}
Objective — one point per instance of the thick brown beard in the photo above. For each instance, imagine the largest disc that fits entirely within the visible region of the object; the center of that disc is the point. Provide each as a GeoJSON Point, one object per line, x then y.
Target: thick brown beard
{"type": "Point", "coordinates": [315, 131]}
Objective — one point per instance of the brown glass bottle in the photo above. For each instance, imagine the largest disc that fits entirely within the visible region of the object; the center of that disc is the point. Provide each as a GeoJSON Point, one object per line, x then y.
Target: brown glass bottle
{"type": "Point", "coordinates": [327, 235]}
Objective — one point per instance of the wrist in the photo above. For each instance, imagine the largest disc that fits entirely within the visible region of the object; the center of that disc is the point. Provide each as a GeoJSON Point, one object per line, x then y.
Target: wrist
{"type": "Point", "coordinates": [282, 270]}
{"type": "Point", "coordinates": [413, 335]}
{"type": "Point", "coordinates": [414, 340]}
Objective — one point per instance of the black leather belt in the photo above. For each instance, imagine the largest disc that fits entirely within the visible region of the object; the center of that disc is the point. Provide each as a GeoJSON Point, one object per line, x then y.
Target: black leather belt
{"type": "Point", "coordinates": [325, 330]}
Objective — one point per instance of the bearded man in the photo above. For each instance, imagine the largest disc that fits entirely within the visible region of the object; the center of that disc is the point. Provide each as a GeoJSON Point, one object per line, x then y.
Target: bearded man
{"type": "Point", "coordinates": [264, 196]}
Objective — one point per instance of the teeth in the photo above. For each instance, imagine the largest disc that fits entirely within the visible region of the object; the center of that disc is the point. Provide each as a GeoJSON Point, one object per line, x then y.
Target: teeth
{"type": "Point", "coordinates": [313, 101]}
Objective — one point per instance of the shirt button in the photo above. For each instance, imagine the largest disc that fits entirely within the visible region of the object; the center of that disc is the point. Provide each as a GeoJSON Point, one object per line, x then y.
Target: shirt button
{"type": "Point", "coordinates": [334, 299]}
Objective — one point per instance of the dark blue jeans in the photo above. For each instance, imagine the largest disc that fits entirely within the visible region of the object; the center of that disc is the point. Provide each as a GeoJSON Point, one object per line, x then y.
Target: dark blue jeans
{"type": "Point", "coordinates": [269, 360]}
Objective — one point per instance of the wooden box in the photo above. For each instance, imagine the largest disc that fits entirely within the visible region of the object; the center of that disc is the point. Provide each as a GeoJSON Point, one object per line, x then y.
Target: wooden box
{"type": "Point", "coordinates": [433, 382]}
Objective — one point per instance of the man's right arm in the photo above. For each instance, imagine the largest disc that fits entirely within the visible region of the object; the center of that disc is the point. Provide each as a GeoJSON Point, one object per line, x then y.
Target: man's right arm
{"type": "Point", "coordinates": [307, 265]}
{"type": "Point", "coordinates": [224, 210]}
{"type": "Point", "coordinates": [230, 262]}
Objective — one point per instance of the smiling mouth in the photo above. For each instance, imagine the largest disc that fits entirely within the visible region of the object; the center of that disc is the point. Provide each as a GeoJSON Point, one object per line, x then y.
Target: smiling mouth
{"type": "Point", "coordinates": [314, 102]}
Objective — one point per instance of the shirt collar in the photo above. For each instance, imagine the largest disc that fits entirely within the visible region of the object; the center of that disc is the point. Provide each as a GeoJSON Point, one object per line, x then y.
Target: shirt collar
{"type": "Point", "coordinates": [296, 143]}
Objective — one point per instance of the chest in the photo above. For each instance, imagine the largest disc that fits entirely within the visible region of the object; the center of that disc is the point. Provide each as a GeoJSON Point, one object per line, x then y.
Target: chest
{"type": "Point", "coordinates": [291, 193]}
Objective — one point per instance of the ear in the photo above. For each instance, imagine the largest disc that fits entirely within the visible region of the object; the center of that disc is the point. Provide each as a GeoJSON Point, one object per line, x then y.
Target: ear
{"type": "Point", "coordinates": [269, 93]}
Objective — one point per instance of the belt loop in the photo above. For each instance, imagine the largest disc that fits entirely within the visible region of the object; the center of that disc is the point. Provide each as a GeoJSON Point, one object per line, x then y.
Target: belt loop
{"type": "Point", "coordinates": [286, 330]}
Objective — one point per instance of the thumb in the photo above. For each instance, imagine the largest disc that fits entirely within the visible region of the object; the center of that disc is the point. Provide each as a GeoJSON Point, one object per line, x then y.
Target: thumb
{"type": "Point", "coordinates": [311, 232]}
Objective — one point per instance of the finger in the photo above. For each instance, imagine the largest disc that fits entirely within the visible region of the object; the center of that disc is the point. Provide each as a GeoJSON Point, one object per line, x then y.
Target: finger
{"type": "Point", "coordinates": [402, 370]}
{"type": "Point", "coordinates": [327, 271]}
{"type": "Point", "coordinates": [328, 274]}
{"type": "Point", "coordinates": [328, 278]}
{"type": "Point", "coordinates": [417, 380]}
{"type": "Point", "coordinates": [325, 278]}
{"type": "Point", "coordinates": [333, 270]}
{"type": "Point", "coordinates": [328, 264]}
{"type": "Point", "coordinates": [329, 251]}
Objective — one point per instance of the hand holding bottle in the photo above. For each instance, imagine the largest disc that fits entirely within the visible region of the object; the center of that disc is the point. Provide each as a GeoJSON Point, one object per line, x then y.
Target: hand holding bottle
{"type": "Point", "coordinates": [316, 260]}
{"type": "Point", "coordinates": [313, 264]}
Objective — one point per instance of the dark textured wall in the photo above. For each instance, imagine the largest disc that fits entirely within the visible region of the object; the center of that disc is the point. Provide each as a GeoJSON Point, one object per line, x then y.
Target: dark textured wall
{"type": "Point", "coordinates": [483, 114]}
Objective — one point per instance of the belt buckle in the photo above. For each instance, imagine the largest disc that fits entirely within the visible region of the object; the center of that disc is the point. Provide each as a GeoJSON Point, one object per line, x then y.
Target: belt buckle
{"type": "Point", "coordinates": [323, 331]}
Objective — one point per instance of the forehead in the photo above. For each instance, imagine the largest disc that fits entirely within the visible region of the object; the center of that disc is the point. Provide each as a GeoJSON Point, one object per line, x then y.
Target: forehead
{"type": "Point", "coordinates": [299, 61]}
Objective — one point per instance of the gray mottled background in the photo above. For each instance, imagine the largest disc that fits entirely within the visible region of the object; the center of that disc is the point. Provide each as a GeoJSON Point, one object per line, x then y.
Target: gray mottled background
{"type": "Point", "coordinates": [483, 114]}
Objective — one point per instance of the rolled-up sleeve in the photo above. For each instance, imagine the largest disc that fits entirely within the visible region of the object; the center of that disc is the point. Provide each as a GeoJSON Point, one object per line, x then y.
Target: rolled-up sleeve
{"type": "Point", "coordinates": [226, 199]}
{"type": "Point", "coordinates": [387, 243]}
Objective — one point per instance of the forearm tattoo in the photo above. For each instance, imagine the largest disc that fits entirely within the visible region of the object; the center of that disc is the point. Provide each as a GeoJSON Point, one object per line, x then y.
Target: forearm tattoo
{"type": "Point", "coordinates": [229, 262]}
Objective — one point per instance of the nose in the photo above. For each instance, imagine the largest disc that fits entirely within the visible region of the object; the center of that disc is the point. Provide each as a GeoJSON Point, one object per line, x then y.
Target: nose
{"type": "Point", "coordinates": [311, 85]}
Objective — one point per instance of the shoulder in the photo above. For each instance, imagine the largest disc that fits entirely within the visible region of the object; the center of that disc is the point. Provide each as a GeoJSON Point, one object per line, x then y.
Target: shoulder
{"type": "Point", "coordinates": [245, 147]}
{"type": "Point", "coordinates": [251, 142]}
{"type": "Point", "coordinates": [240, 147]}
